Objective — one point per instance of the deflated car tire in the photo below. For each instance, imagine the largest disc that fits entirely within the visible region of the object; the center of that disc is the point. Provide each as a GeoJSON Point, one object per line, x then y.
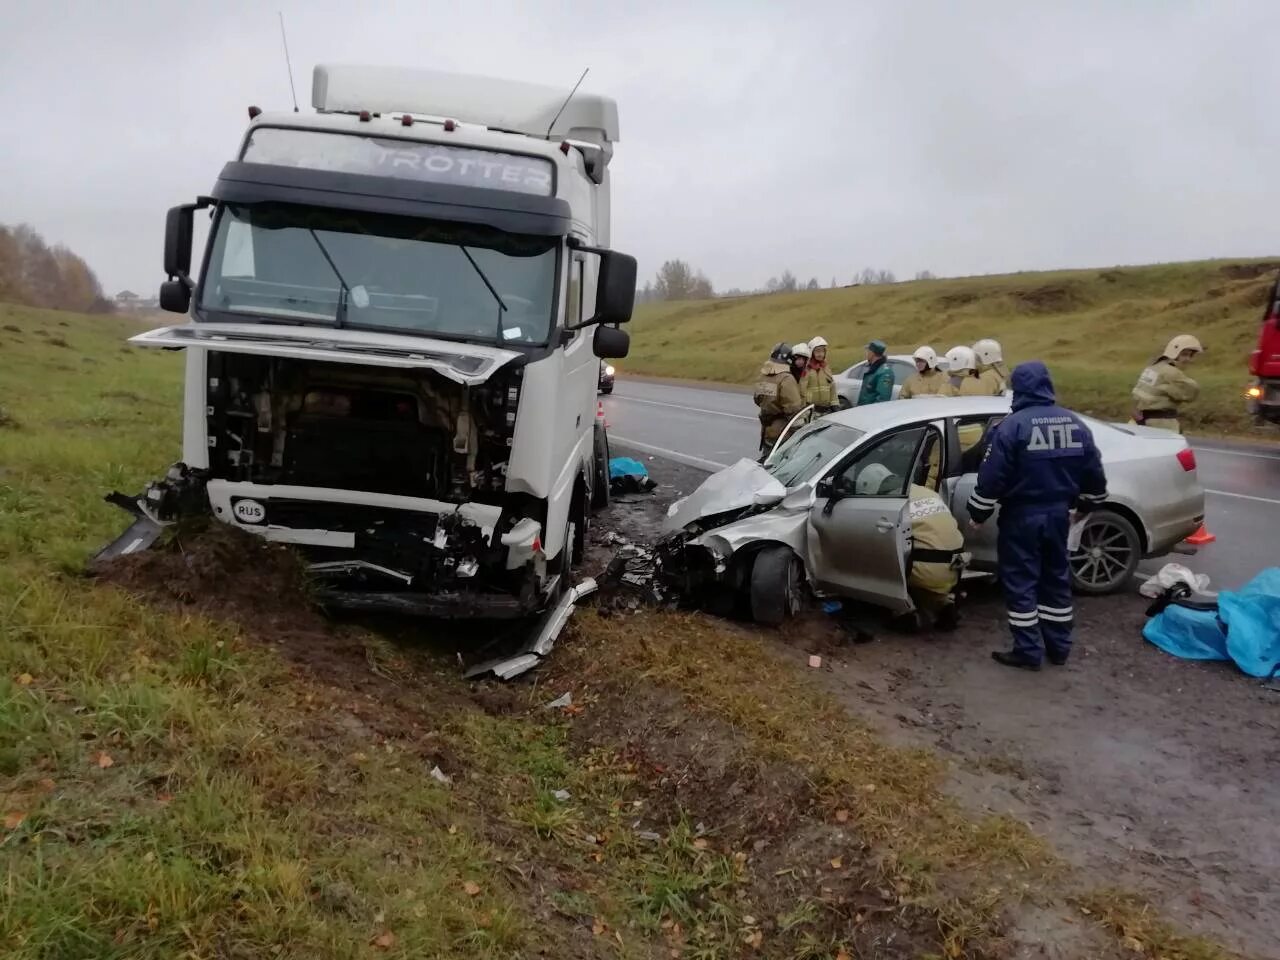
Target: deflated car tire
{"type": "Point", "coordinates": [775, 586]}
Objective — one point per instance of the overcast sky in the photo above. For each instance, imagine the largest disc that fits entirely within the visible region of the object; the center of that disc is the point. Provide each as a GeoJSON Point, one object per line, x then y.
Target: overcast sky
{"type": "Point", "coordinates": [822, 137]}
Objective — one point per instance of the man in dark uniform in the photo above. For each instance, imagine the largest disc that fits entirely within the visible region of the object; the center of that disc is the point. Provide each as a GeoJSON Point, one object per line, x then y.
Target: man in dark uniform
{"type": "Point", "coordinates": [1041, 464]}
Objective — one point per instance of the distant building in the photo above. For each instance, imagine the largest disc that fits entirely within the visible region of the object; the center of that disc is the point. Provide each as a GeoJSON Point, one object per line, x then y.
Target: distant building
{"type": "Point", "coordinates": [129, 302]}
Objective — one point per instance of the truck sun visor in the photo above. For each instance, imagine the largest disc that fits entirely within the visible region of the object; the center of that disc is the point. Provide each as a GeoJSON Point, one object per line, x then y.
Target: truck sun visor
{"type": "Point", "coordinates": [402, 159]}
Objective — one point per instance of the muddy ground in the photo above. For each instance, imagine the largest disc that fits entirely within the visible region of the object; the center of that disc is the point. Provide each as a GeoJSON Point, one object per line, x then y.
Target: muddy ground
{"type": "Point", "coordinates": [1150, 773]}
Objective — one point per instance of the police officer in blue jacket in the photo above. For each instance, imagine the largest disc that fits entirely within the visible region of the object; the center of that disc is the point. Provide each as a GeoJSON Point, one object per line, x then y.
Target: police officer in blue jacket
{"type": "Point", "coordinates": [1040, 464]}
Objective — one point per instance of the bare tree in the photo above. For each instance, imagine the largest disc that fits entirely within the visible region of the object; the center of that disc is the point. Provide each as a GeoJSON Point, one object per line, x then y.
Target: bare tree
{"type": "Point", "coordinates": [33, 273]}
{"type": "Point", "coordinates": [787, 282]}
{"type": "Point", "coordinates": [679, 281]}
{"type": "Point", "coordinates": [812, 284]}
{"type": "Point", "coordinates": [925, 275]}
{"type": "Point", "coordinates": [772, 285]}
{"type": "Point", "coordinates": [872, 276]}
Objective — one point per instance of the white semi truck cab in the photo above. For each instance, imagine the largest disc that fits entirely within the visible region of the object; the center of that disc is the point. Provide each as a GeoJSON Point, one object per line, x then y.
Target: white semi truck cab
{"type": "Point", "coordinates": [394, 338]}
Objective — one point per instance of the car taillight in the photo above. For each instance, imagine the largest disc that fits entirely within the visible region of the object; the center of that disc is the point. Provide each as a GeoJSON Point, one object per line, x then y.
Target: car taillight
{"type": "Point", "coordinates": [1187, 457]}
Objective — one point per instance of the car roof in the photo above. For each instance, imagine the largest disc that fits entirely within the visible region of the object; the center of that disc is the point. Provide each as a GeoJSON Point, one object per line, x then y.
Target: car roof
{"type": "Point", "coordinates": [877, 417]}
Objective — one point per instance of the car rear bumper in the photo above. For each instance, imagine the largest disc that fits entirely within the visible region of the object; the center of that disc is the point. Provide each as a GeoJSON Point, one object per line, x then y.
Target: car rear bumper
{"type": "Point", "coordinates": [1266, 407]}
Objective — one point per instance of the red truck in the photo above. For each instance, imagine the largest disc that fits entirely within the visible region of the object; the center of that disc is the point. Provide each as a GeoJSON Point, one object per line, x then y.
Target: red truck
{"type": "Point", "coordinates": [1263, 394]}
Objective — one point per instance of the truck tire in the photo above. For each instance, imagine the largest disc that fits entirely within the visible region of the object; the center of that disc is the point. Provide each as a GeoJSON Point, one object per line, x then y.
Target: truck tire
{"type": "Point", "coordinates": [1109, 554]}
{"type": "Point", "coordinates": [776, 577]}
{"type": "Point", "coordinates": [600, 465]}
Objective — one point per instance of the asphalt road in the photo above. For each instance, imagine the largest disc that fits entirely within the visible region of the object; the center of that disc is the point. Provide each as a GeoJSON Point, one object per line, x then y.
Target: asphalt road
{"type": "Point", "coordinates": [709, 429]}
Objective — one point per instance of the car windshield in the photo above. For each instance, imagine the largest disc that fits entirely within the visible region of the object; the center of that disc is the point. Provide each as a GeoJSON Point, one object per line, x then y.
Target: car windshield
{"type": "Point", "coordinates": [811, 449]}
{"type": "Point", "coordinates": [295, 264]}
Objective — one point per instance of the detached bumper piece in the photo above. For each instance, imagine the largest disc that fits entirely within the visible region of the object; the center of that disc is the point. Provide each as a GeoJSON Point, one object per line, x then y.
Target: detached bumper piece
{"type": "Point", "coordinates": [180, 494]}
{"type": "Point", "coordinates": [540, 642]}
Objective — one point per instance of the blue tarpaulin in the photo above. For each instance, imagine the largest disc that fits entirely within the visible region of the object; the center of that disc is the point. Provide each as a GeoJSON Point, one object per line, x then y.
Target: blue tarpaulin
{"type": "Point", "coordinates": [1245, 628]}
{"type": "Point", "coordinates": [626, 467]}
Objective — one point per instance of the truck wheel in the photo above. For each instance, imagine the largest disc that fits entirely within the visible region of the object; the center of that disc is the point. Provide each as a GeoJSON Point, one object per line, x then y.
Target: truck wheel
{"type": "Point", "coordinates": [1109, 554]}
{"type": "Point", "coordinates": [775, 586]}
{"type": "Point", "coordinates": [600, 483]}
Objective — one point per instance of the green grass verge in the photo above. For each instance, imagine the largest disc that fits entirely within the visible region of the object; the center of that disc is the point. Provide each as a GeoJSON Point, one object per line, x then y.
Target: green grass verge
{"type": "Point", "coordinates": [1096, 329]}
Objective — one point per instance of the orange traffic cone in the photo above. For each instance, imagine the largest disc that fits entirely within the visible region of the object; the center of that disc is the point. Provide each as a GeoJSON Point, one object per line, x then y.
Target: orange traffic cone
{"type": "Point", "coordinates": [1201, 537]}
{"type": "Point", "coordinates": [600, 413]}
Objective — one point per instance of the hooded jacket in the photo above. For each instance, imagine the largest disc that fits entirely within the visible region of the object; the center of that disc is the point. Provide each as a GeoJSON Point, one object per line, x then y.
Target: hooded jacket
{"type": "Point", "coordinates": [1040, 456]}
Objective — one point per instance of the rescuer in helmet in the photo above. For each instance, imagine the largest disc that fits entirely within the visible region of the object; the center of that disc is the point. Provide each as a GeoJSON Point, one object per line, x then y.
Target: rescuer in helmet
{"type": "Point", "coordinates": [928, 380]}
{"type": "Point", "coordinates": [818, 386]}
{"type": "Point", "coordinates": [962, 370]}
{"type": "Point", "coordinates": [992, 373]}
{"type": "Point", "coordinates": [777, 394]}
{"type": "Point", "coordinates": [1164, 387]}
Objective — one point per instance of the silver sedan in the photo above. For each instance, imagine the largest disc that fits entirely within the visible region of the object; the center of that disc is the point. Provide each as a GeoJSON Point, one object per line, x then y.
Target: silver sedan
{"type": "Point", "coordinates": [849, 383]}
{"type": "Point", "coordinates": [759, 532]}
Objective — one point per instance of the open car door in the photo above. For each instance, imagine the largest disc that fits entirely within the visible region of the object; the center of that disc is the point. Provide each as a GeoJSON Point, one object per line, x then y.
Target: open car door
{"type": "Point", "coordinates": [859, 536]}
{"type": "Point", "coordinates": [803, 418]}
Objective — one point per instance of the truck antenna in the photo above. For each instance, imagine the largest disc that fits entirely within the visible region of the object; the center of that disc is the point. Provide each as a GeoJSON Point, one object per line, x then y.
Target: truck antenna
{"type": "Point", "coordinates": [566, 102]}
{"type": "Point", "coordinates": [288, 66]}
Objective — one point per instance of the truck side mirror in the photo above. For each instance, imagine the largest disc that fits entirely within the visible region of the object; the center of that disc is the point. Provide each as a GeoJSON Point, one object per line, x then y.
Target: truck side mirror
{"type": "Point", "coordinates": [615, 288]}
{"type": "Point", "coordinates": [175, 296]}
{"type": "Point", "coordinates": [177, 240]}
{"type": "Point", "coordinates": [610, 343]}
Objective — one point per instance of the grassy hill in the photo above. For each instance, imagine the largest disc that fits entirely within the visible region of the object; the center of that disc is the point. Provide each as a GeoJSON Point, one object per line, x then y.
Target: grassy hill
{"type": "Point", "coordinates": [1096, 329]}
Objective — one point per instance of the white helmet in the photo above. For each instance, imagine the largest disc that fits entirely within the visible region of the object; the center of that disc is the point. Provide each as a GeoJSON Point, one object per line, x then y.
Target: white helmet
{"type": "Point", "coordinates": [928, 355]}
{"type": "Point", "coordinates": [876, 479]}
{"type": "Point", "coordinates": [1180, 343]}
{"type": "Point", "coordinates": [988, 351]}
{"type": "Point", "coordinates": [960, 360]}
{"type": "Point", "coordinates": [817, 342]}
{"type": "Point", "coordinates": [801, 349]}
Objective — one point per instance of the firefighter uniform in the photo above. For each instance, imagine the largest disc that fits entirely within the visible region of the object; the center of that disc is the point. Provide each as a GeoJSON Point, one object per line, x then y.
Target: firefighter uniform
{"type": "Point", "coordinates": [1164, 387]}
{"type": "Point", "coordinates": [1040, 464]}
{"type": "Point", "coordinates": [937, 545]}
{"type": "Point", "coordinates": [924, 383]}
{"type": "Point", "coordinates": [777, 394]}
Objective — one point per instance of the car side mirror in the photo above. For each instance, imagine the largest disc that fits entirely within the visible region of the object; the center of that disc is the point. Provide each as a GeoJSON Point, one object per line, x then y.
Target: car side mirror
{"type": "Point", "coordinates": [611, 343]}
{"type": "Point", "coordinates": [825, 489]}
{"type": "Point", "coordinates": [175, 296]}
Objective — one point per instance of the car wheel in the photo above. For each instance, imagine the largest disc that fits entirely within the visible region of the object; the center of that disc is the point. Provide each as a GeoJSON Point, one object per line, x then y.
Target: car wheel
{"type": "Point", "coordinates": [600, 467]}
{"type": "Point", "coordinates": [606, 390]}
{"type": "Point", "coordinates": [776, 578]}
{"type": "Point", "coordinates": [1109, 554]}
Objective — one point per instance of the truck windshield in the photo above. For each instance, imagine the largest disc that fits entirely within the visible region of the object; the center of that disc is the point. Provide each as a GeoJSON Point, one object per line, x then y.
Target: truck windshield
{"type": "Point", "coordinates": [286, 263]}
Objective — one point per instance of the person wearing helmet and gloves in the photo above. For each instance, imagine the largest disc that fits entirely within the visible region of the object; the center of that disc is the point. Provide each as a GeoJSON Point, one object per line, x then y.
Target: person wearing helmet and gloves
{"type": "Point", "coordinates": [992, 373]}
{"type": "Point", "coordinates": [777, 394]}
{"type": "Point", "coordinates": [962, 371]}
{"type": "Point", "coordinates": [928, 380]}
{"type": "Point", "coordinates": [1164, 387]}
{"type": "Point", "coordinates": [818, 386]}
{"type": "Point", "coordinates": [936, 545]}
{"type": "Point", "coordinates": [1041, 465]}
{"type": "Point", "coordinates": [877, 379]}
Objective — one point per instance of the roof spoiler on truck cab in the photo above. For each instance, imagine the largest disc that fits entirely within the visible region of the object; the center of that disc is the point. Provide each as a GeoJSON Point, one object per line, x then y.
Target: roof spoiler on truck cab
{"type": "Point", "coordinates": [509, 105]}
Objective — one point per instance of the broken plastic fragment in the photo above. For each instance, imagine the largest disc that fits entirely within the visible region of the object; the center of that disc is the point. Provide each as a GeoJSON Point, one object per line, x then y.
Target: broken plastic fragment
{"type": "Point", "coordinates": [440, 776]}
{"type": "Point", "coordinates": [648, 835]}
{"type": "Point", "coordinates": [561, 795]}
{"type": "Point", "coordinates": [815, 660]}
{"type": "Point", "coordinates": [559, 703]}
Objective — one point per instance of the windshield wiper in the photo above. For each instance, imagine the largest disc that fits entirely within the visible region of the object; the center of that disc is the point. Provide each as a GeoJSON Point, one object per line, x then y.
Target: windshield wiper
{"type": "Point", "coordinates": [344, 294]}
{"type": "Point", "coordinates": [502, 307]}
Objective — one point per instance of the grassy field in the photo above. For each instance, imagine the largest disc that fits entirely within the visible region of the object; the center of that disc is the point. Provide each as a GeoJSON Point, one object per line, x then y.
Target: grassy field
{"type": "Point", "coordinates": [1096, 329]}
{"type": "Point", "coordinates": [206, 769]}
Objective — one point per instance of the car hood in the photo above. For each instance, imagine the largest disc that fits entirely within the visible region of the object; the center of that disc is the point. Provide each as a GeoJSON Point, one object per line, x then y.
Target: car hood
{"type": "Point", "coordinates": [465, 363]}
{"type": "Point", "coordinates": [745, 484]}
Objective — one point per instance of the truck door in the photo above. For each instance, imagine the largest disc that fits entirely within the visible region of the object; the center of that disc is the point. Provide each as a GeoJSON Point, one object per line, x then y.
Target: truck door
{"type": "Point", "coordinates": [859, 537]}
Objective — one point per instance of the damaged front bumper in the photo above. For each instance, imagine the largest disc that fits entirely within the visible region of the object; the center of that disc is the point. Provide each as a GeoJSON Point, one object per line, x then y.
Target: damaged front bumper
{"type": "Point", "coordinates": [370, 553]}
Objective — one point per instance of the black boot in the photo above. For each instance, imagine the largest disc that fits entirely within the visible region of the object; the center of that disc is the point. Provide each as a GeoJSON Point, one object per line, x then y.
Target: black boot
{"type": "Point", "coordinates": [948, 618]}
{"type": "Point", "coordinates": [1057, 659]}
{"type": "Point", "coordinates": [1011, 658]}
